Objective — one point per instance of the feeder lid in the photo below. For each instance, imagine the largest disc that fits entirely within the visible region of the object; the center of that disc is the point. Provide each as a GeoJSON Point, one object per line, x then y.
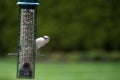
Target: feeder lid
{"type": "Point", "coordinates": [28, 1]}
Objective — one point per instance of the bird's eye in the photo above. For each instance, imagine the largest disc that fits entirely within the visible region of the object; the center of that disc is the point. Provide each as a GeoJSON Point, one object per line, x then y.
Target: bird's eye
{"type": "Point", "coordinates": [45, 37]}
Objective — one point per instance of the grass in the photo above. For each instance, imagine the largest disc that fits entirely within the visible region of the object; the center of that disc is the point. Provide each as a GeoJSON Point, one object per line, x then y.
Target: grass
{"type": "Point", "coordinates": [65, 71]}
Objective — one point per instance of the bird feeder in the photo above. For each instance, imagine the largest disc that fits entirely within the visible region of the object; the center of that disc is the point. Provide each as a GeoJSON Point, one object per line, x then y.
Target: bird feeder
{"type": "Point", "coordinates": [26, 45]}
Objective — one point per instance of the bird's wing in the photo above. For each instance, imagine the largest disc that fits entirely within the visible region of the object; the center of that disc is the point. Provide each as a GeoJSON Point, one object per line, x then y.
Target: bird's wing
{"type": "Point", "coordinates": [40, 42]}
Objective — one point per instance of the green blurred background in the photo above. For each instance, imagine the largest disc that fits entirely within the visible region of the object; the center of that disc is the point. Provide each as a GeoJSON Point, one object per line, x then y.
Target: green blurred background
{"type": "Point", "coordinates": [84, 34]}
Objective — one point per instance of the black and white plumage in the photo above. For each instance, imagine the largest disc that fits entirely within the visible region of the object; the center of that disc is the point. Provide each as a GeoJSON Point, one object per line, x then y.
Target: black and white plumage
{"type": "Point", "coordinates": [42, 41]}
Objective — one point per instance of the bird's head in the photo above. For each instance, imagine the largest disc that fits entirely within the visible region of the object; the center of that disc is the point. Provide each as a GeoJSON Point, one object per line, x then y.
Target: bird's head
{"type": "Point", "coordinates": [47, 38]}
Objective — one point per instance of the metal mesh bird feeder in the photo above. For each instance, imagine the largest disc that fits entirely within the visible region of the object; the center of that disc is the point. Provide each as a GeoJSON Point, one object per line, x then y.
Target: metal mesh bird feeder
{"type": "Point", "coordinates": [26, 46]}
